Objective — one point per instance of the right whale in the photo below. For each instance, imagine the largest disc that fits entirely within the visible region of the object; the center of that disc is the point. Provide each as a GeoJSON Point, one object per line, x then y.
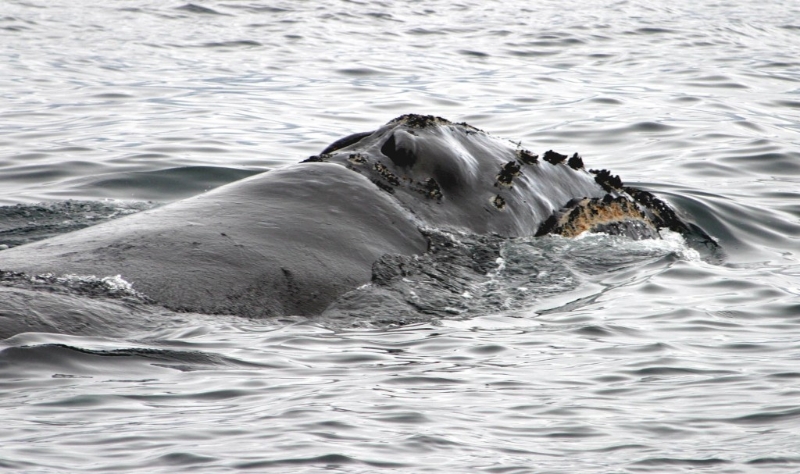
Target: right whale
{"type": "Point", "coordinates": [294, 240]}
{"type": "Point", "coordinates": [453, 176]}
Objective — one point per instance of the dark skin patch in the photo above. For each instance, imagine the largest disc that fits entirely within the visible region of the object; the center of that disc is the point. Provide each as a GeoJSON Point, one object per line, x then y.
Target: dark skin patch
{"type": "Point", "coordinates": [400, 156]}
{"type": "Point", "coordinates": [526, 157]}
{"type": "Point", "coordinates": [357, 159]}
{"type": "Point", "coordinates": [553, 158]}
{"type": "Point", "coordinates": [383, 186]}
{"type": "Point", "coordinates": [606, 180]}
{"type": "Point", "coordinates": [430, 189]}
{"type": "Point", "coordinates": [421, 121]}
{"type": "Point", "coordinates": [316, 159]}
{"type": "Point", "coordinates": [662, 213]}
{"type": "Point", "coordinates": [576, 162]}
{"type": "Point", "coordinates": [390, 177]}
{"type": "Point", "coordinates": [345, 142]}
{"type": "Point", "coordinates": [499, 202]}
{"type": "Point", "coordinates": [424, 121]}
{"type": "Point", "coordinates": [507, 174]}
{"type": "Point", "coordinates": [445, 179]}
{"type": "Point", "coordinates": [469, 129]}
{"type": "Point", "coordinates": [547, 226]}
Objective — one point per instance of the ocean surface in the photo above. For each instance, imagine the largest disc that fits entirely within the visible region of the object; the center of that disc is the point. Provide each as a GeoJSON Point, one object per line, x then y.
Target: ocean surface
{"type": "Point", "coordinates": [624, 357]}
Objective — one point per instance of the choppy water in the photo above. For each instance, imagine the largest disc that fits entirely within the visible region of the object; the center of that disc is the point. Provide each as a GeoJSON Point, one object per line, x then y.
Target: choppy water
{"type": "Point", "coordinates": [652, 358]}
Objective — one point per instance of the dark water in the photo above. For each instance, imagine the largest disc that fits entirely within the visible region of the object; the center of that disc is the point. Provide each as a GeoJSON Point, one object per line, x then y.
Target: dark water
{"type": "Point", "coordinates": [624, 357]}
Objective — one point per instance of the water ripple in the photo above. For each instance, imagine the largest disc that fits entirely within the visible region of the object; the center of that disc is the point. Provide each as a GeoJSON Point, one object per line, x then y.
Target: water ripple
{"type": "Point", "coordinates": [659, 360]}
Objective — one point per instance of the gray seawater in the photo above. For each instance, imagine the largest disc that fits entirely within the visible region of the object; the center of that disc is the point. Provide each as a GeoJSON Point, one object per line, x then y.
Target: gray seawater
{"type": "Point", "coordinates": [647, 356]}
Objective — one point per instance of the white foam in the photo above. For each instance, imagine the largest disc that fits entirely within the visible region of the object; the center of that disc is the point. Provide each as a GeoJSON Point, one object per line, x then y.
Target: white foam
{"type": "Point", "coordinates": [113, 285]}
{"type": "Point", "coordinates": [670, 242]}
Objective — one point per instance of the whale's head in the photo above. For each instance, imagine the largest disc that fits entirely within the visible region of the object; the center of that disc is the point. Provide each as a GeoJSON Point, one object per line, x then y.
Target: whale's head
{"type": "Point", "coordinates": [419, 151]}
{"type": "Point", "coordinates": [454, 176]}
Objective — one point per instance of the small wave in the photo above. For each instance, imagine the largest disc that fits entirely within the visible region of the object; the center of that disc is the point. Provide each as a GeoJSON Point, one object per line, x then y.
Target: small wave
{"type": "Point", "coordinates": [232, 44]}
{"type": "Point", "coordinates": [606, 101]}
{"type": "Point", "coordinates": [768, 163]}
{"type": "Point", "coordinates": [82, 285]}
{"type": "Point", "coordinates": [473, 53]}
{"type": "Point", "coordinates": [327, 460]}
{"type": "Point", "coordinates": [25, 223]}
{"type": "Point", "coordinates": [678, 462]}
{"type": "Point", "coordinates": [199, 9]}
{"type": "Point", "coordinates": [652, 31]}
{"type": "Point", "coordinates": [775, 460]}
{"type": "Point", "coordinates": [69, 361]}
{"type": "Point", "coordinates": [359, 72]}
{"type": "Point", "coordinates": [167, 184]}
{"type": "Point", "coordinates": [650, 127]}
{"type": "Point", "coordinates": [267, 9]}
{"type": "Point", "coordinates": [113, 96]}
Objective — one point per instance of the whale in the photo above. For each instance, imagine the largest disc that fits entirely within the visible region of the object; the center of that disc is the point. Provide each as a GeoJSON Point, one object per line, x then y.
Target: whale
{"type": "Point", "coordinates": [460, 178]}
{"type": "Point", "coordinates": [292, 240]}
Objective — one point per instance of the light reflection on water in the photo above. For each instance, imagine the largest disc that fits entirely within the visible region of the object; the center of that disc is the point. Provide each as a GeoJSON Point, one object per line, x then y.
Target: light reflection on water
{"type": "Point", "coordinates": [674, 364]}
